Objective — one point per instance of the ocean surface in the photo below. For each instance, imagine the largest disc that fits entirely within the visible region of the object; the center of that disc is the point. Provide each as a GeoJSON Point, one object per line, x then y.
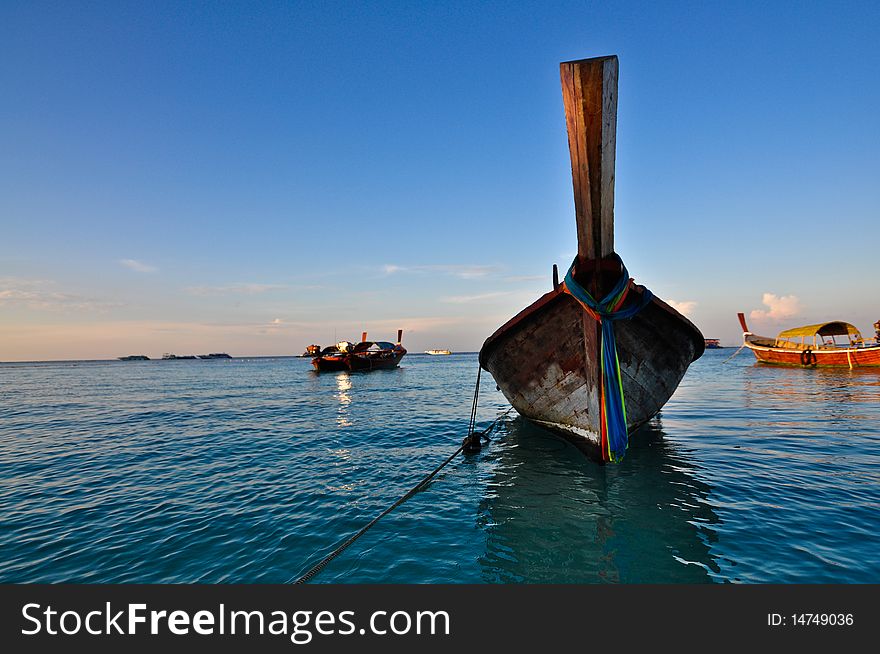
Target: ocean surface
{"type": "Point", "coordinates": [251, 470]}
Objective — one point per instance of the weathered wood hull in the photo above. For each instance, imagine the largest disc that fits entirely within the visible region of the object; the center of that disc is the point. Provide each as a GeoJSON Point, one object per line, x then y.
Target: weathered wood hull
{"type": "Point", "coordinates": [546, 362]}
{"type": "Point", "coordinates": [807, 357]}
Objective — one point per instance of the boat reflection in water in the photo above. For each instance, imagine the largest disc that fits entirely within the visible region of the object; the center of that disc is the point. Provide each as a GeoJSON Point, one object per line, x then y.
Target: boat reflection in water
{"type": "Point", "coordinates": [553, 517]}
{"type": "Point", "coordinates": [810, 394]}
{"type": "Point", "coordinates": [804, 420]}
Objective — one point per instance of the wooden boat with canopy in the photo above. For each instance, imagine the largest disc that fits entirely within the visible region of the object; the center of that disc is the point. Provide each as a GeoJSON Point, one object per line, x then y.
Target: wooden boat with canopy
{"type": "Point", "coordinates": [829, 344]}
{"type": "Point", "coordinates": [597, 356]}
{"type": "Point", "coordinates": [363, 356]}
{"type": "Point", "coordinates": [376, 355]}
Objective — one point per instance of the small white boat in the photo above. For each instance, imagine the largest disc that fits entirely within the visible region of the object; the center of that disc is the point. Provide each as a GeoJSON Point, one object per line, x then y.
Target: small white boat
{"type": "Point", "coordinates": [437, 352]}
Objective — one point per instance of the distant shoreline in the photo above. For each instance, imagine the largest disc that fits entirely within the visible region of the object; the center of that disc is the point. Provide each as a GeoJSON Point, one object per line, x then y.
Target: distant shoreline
{"type": "Point", "coordinates": [261, 356]}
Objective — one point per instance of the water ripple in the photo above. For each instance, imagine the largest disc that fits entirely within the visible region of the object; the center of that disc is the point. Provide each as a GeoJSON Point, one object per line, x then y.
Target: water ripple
{"type": "Point", "coordinates": [251, 470]}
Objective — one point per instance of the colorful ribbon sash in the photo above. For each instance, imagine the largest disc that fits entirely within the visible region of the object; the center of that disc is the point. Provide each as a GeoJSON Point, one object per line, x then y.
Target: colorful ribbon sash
{"type": "Point", "coordinates": [608, 310]}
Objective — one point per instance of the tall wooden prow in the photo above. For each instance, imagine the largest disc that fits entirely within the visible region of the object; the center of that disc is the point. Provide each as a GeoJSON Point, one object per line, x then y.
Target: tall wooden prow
{"type": "Point", "coordinates": [589, 93]}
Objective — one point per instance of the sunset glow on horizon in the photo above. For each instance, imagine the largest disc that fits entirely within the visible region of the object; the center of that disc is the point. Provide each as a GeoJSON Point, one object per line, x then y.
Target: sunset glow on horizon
{"type": "Point", "coordinates": [195, 178]}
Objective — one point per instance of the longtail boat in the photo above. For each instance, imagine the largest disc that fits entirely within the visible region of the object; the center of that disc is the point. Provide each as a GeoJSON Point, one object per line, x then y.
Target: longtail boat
{"type": "Point", "coordinates": [376, 355]}
{"type": "Point", "coordinates": [363, 356]}
{"type": "Point", "coordinates": [333, 357]}
{"type": "Point", "coordinates": [814, 346]}
{"type": "Point", "coordinates": [312, 351]}
{"type": "Point", "coordinates": [598, 356]}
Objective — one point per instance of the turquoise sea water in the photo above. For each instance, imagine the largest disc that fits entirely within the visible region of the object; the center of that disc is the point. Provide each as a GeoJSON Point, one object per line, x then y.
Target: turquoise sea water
{"type": "Point", "coordinates": [251, 470]}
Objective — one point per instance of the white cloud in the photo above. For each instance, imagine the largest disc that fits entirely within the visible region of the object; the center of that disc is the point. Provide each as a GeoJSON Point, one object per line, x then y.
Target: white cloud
{"type": "Point", "coordinates": [528, 278]}
{"type": "Point", "coordinates": [462, 299]}
{"type": "Point", "coordinates": [472, 272]}
{"type": "Point", "coordinates": [39, 294]}
{"type": "Point", "coordinates": [138, 266]}
{"type": "Point", "coordinates": [19, 282]}
{"type": "Point", "coordinates": [275, 325]}
{"type": "Point", "coordinates": [778, 308]}
{"type": "Point", "coordinates": [685, 307]}
{"type": "Point", "coordinates": [238, 288]}
{"type": "Point", "coordinates": [463, 271]}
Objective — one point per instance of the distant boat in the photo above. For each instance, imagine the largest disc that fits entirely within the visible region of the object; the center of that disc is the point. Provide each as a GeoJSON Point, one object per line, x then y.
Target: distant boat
{"type": "Point", "coordinates": [376, 355]}
{"type": "Point", "coordinates": [332, 357]}
{"type": "Point", "coordinates": [818, 346]}
{"type": "Point", "coordinates": [312, 351]}
{"type": "Point", "coordinates": [438, 352]}
{"type": "Point", "coordinates": [713, 344]}
{"type": "Point", "coordinates": [215, 355]}
{"type": "Point", "coordinates": [568, 361]}
{"type": "Point", "coordinates": [174, 357]}
{"type": "Point", "coordinates": [135, 357]}
{"type": "Point", "coordinates": [364, 356]}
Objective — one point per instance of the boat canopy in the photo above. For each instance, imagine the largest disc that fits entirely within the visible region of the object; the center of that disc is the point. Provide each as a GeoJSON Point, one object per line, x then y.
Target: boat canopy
{"type": "Point", "coordinates": [836, 328]}
{"type": "Point", "coordinates": [373, 346]}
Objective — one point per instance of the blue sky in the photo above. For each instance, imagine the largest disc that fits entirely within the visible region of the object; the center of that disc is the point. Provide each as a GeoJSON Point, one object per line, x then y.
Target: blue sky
{"type": "Point", "coordinates": [192, 177]}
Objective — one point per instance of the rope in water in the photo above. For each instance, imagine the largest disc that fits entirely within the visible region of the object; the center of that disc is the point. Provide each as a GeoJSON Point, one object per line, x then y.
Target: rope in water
{"type": "Point", "coordinates": [734, 354]}
{"type": "Point", "coordinates": [415, 489]}
{"type": "Point", "coordinates": [612, 407]}
{"type": "Point", "coordinates": [473, 419]}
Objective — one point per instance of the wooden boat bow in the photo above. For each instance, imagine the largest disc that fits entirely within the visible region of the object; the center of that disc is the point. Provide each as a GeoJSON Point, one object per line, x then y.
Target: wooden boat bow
{"type": "Point", "coordinates": [548, 358]}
